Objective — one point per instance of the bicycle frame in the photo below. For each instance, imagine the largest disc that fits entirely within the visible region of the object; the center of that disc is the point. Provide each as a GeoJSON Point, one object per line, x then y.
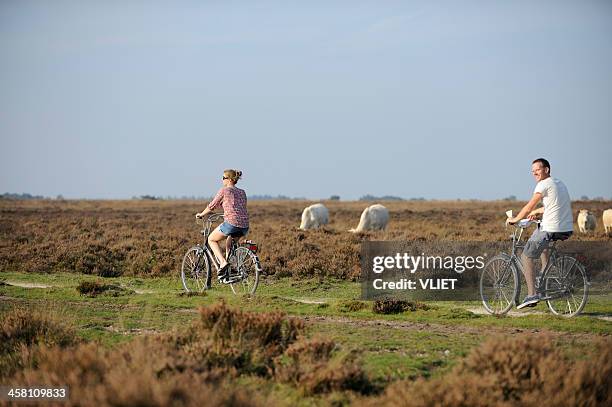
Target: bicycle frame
{"type": "Point", "coordinates": [541, 276]}
{"type": "Point", "coordinates": [562, 283]}
{"type": "Point", "coordinates": [206, 247]}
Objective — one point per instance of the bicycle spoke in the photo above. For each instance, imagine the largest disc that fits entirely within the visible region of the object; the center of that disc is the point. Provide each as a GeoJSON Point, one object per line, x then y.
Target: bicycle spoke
{"type": "Point", "coordinates": [498, 285]}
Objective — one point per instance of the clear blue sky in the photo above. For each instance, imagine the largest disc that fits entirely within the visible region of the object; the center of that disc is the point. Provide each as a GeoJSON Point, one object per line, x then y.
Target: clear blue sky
{"type": "Point", "coordinates": [445, 100]}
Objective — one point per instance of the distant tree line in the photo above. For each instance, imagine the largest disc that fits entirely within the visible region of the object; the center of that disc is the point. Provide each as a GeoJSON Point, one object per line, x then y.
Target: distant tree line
{"type": "Point", "coordinates": [8, 195]}
{"type": "Point", "coordinates": [369, 197]}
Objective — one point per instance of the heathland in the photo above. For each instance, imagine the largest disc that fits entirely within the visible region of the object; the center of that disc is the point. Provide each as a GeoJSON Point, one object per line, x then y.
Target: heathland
{"type": "Point", "coordinates": [90, 298]}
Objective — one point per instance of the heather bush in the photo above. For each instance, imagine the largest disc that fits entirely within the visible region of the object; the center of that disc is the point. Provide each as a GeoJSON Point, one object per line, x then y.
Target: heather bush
{"type": "Point", "coordinates": [351, 306]}
{"type": "Point", "coordinates": [395, 306]}
{"type": "Point", "coordinates": [190, 367]}
{"type": "Point", "coordinates": [95, 288]}
{"type": "Point", "coordinates": [246, 340]}
{"type": "Point", "coordinates": [308, 364]}
{"type": "Point", "coordinates": [134, 375]}
{"type": "Point", "coordinates": [516, 371]}
{"type": "Point", "coordinates": [149, 238]}
{"type": "Point", "coordinates": [22, 329]}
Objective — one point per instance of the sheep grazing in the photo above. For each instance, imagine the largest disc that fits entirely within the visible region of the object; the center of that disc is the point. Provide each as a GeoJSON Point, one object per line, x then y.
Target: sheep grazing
{"type": "Point", "coordinates": [314, 216]}
{"type": "Point", "coordinates": [374, 217]}
{"type": "Point", "coordinates": [586, 221]}
{"type": "Point", "coordinates": [607, 220]}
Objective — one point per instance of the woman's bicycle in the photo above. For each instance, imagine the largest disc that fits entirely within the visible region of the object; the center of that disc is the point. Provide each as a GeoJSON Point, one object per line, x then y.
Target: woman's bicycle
{"type": "Point", "coordinates": [563, 284]}
{"type": "Point", "coordinates": [198, 262]}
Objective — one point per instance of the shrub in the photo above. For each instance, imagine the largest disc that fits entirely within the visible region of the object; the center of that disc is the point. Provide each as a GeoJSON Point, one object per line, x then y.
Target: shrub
{"type": "Point", "coordinates": [21, 329]}
{"type": "Point", "coordinates": [178, 368]}
{"type": "Point", "coordinates": [150, 237]}
{"type": "Point", "coordinates": [95, 288]}
{"type": "Point", "coordinates": [99, 260]}
{"type": "Point", "coordinates": [127, 377]}
{"type": "Point", "coordinates": [308, 364]}
{"type": "Point", "coordinates": [248, 341]}
{"type": "Point", "coordinates": [395, 306]}
{"type": "Point", "coordinates": [523, 370]}
{"type": "Point", "coordinates": [351, 306]}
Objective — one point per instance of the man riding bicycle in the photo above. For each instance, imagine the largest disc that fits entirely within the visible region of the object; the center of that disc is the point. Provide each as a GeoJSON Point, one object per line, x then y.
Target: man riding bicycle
{"type": "Point", "coordinates": [557, 223]}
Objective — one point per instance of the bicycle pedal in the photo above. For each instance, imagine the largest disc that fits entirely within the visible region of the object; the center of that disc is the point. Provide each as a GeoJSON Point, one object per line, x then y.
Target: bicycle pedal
{"type": "Point", "coordinates": [232, 279]}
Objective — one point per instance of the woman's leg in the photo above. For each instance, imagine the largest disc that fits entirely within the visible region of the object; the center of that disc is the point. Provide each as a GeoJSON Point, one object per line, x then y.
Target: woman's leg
{"type": "Point", "coordinates": [228, 246]}
{"type": "Point", "coordinates": [213, 241]}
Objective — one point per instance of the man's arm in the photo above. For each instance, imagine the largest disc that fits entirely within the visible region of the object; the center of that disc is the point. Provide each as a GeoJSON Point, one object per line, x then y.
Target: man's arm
{"type": "Point", "coordinates": [527, 209]}
{"type": "Point", "coordinates": [534, 213]}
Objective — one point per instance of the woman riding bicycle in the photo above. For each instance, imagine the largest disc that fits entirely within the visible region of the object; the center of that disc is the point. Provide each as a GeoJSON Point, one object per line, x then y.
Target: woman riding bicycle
{"type": "Point", "coordinates": [236, 224]}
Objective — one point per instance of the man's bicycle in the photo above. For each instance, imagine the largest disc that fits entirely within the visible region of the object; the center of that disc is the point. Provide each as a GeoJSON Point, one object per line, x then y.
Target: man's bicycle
{"type": "Point", "coordinates": [563, 284]}
{"type": "Point", "coordinates": [198, 263]}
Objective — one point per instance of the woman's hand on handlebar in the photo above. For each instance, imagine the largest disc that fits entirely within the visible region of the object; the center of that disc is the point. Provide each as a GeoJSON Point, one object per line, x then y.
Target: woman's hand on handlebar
{"type": "Point", "coordinates": [200, 215]}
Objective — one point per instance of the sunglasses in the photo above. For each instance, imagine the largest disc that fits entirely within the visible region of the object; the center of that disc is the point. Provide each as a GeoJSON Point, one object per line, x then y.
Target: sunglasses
{"type": "Point", "coordinates": [225, 178]}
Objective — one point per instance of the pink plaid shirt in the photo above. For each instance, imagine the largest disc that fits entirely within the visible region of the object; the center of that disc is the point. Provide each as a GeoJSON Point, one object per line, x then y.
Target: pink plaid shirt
{"type": "Point", "coordinates": [234, 202]}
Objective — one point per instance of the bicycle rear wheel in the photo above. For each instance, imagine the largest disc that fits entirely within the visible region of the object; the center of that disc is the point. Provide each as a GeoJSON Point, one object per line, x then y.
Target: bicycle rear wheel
{"type": "Point", "coordinates": [195, 270]}
{"type": "Point", "coordinates": [245, 265]}
{"type": "Point", "coordinates": [499, 285]}
{"type": "Point", "coordinates": [566, 286]}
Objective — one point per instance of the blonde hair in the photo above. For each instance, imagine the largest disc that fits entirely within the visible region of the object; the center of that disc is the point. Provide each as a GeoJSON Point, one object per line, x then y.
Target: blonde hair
{"type": "Point", "coordinates": [233, 175]}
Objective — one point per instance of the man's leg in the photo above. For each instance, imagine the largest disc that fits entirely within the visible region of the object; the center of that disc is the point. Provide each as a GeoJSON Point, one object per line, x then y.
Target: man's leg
{"type": "Point", "coordinates": [528, 273]}
{"type": "Point", "coordinates": [533, 249]}
{"type": "Point", "coordinates": [544, 257]}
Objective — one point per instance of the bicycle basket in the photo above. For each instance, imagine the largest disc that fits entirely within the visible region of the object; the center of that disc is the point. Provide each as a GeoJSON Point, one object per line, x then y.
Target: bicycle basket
{"type": "Point", "coordinates": [251, 245]}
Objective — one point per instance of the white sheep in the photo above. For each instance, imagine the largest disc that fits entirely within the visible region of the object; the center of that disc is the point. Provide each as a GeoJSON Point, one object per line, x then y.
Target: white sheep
{"type": "Point", "coordinates": [374, 217]}
{"type": "Point", "coordinates": [607, 220]}
{"type": "Point", "coordinates": [314, 216]}
{"type": "Point", "coordinates": [586, 221]}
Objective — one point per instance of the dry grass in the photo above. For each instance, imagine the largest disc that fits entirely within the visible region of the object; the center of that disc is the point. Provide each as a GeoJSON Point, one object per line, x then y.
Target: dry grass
{"type": "Point", "coordinates": [519, 371]}
{"type": "Point", "coordinates": [200, 365]}
{"type": "Point", "coordinates": [22, 331]}
{"type": "Point", "coordinates": [129, 376]}
{"type": "Point", "coordinates": [108, 238]}
{"type": "Point", "coordinates": [192, 367]}
{"type": "Point", "coordinates": [308, 365]}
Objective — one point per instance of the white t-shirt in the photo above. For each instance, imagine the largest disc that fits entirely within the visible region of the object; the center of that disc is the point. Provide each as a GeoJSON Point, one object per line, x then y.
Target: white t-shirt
{"type": "Point", "coordinates": [557, 206]}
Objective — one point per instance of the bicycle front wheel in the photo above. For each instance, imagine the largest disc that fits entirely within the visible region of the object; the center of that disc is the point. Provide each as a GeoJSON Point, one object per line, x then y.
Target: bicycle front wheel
{"type": "Point", "coordinates": [499, 285]}
{"type": "Point", "coordinates": [246, 265]}
{"type": "Point", "coordinates": [567, 287]}
{"type": "Point", "coordinates": [195, 270]}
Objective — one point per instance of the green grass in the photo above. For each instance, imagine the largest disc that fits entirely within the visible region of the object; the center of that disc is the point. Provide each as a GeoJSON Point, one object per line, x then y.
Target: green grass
{"type": "Point", "coordinates": [407, 345]}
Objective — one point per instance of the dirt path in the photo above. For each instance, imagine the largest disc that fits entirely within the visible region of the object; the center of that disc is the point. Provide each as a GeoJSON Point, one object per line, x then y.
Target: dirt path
{"type": "Point", "coordinates": [518, 314]}
{"type": "Point", "coordinates": [39, 285]}
{"type": "Point", "coordinates": [451, 329]}
{"type": "Point", "coordinates": [27, 285]}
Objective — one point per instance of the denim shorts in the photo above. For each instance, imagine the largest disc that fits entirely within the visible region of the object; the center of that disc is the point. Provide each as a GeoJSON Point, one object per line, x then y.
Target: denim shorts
{"type": "Point", "coordinates": [540, 240]}
{"type": "Point", "coordinates": [230, 230]}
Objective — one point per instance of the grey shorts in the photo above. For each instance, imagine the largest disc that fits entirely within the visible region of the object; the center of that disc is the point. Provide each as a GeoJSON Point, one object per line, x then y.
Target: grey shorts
{"type": "Point", "coordinates": [540, 240]}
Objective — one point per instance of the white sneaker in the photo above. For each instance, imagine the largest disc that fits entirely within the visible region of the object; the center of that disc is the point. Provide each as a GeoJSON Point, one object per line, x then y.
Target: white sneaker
{"type": "Point", "coordinates": [529, 301]}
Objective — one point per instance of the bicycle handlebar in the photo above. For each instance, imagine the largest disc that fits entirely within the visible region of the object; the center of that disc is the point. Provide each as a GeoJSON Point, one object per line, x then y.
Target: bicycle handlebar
{"type": "Point", "coordinates": [211, 218]}
{"type": "Point", "coordinates": [524, 223]}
